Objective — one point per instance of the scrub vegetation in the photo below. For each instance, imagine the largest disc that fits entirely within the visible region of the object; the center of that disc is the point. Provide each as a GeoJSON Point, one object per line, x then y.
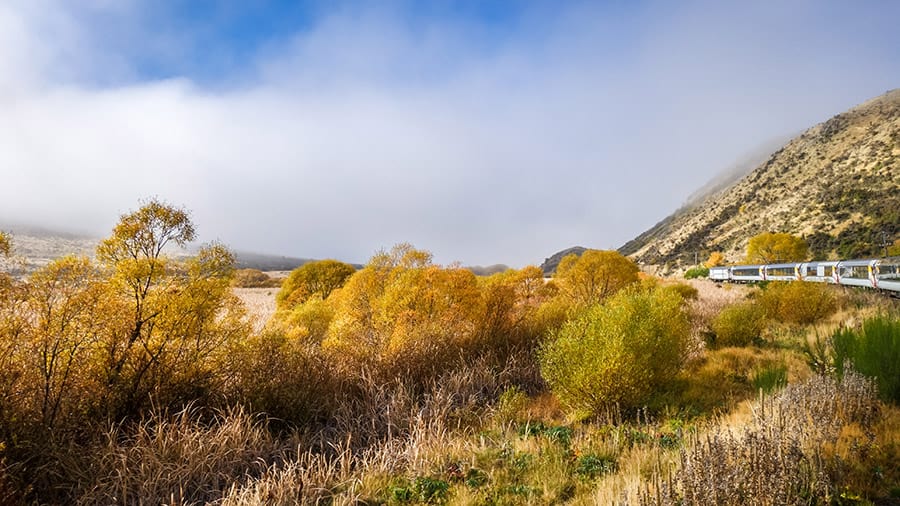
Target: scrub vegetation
{"type": "Point", "coordinates": [137, 378]}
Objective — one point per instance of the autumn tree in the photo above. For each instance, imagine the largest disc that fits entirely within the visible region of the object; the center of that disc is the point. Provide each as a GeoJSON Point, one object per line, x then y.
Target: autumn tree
{"type": "Point", "coordinates": [773, 248]}
{"type": "Point", "coordinates": [313, 279]}
{"type": "Point", "coordinates": [253, 278]}
{"type": "Point", "coordinates": [715, 259]}
{"type": "Point", "coordinates": [14, 320]}
{"type": "Point", "coordinates": [512, 302]}
{"type": "Point", "coordinates": [175, 314]}
{"type": "Point", "coordinates": [402, 309]}
{"type": "Point", "coordinates": [69, 312]}
{"type": "Point", "coordinates": [894, 249]}
{"type": "Point", "coordinates": [595, 275]}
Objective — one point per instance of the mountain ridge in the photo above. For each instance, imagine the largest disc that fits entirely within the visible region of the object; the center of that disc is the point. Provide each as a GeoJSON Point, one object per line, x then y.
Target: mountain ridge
{"type": "Point", "coordinates": [835, 184]}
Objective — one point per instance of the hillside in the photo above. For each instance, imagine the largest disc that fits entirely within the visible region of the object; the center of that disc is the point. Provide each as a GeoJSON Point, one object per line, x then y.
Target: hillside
{"type": "Point", "coordinates": [550, 264]}
{"type": "Point", "coordinates": [34, 247]}
{"type": "Point", "coordinates": [836, 185]}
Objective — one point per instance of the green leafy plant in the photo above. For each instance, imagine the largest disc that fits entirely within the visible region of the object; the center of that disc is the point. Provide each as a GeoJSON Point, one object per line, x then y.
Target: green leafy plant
{"type": "Point", "coordinates": [592, 465]}
{"type": "Point", "coordinates": [697, 272]}
{"type": "Point", "coordinates": [770, 378]}
{"type": "Point", "coordinates": [617, 352]}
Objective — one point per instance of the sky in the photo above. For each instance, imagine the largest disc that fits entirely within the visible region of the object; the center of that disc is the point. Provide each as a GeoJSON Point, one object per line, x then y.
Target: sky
{"type": "Point", "coordinates": [485, 132]}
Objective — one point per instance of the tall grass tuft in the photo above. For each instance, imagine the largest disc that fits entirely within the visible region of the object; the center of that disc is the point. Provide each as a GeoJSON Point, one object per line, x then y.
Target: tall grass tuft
{"type": "Point", "coordinates": [874, 350]}
{"type": "Point", "coordinates": [176, 459]}
{"type": "Point", "coordinates": [777, 459]}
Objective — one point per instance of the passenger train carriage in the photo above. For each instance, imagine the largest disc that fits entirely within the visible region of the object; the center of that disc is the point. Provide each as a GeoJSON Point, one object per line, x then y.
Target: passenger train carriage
{"type": "Point", "coordinates": [881, 274]}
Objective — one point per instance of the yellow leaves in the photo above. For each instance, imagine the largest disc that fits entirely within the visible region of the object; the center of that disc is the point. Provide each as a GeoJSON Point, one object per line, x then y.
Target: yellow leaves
{"type": "Point", "coordinates": [313, 279]}
{"type": "Point", "coordinates": [595, 275]}
{"type": "Point", "coordinates": [401, 302]}
{"type": "Point", "coordinates": [5, 244]}
{"type": "Point", "coordinates": [308, 322]}
{"type": "Point", "coordinates": [715, 259]}
{"type": "Point", "coordinates": [773, 248]}
{"type": "Point", "coordinates": [894, 250]}
{"type": "Point", "coordinates": [617, 351]}
{"type": "Point", "coordinates": [146, 232]}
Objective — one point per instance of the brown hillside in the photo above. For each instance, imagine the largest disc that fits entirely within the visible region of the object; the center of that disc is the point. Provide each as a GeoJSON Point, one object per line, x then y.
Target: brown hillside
{"type": "Point", "coordinates": [836, 185]}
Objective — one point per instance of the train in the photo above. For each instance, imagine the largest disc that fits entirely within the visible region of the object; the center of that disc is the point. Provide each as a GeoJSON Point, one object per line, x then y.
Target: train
{"type": "Point", "coordinates": [878, 273]}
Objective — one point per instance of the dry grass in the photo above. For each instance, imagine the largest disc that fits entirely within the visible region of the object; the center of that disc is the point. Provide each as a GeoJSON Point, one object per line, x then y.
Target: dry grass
{"type": "Point", "coordinates": [783, 456]}
{"type": "Point", "coordinates": [711, 299]}
{"type": "Point", "coordinates": [260, 304]}
{"type": "Point", "coordinates": [178, 459]}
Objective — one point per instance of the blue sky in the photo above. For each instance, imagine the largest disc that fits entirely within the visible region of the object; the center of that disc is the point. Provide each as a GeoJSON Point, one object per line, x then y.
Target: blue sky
{"type": "Point", "coordinates": [485, 132]}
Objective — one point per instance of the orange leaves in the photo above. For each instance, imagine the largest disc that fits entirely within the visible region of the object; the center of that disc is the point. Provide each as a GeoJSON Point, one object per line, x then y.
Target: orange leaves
{"type": "Point", "coordinates": [402, 301]}
{"type": "Point", "coordinates": [715, 259]}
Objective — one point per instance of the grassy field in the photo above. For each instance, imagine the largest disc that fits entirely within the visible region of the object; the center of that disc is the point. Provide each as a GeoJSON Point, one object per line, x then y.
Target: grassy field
{"type": "Point", "coordinates": [460, 412]}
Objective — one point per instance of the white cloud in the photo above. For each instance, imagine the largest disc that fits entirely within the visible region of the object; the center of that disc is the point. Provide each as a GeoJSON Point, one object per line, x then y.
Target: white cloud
{"type": "Point", "coordinates": [367, 130]}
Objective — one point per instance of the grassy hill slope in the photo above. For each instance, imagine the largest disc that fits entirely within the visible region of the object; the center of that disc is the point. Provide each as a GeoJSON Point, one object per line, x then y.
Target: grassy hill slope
{"type": "Point", "coordinates": [836, 184]}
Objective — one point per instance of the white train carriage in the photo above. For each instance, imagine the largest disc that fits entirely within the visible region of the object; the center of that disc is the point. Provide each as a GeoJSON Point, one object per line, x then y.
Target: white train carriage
{"type": "Point", "coordinates": [782, 272]}
{"type": "Point", "coordinates": [719, 273]}
{"type": "Point", "coordinates": [821, 272]}
{"type": "Point", "coordinates": [882, 274]}
{"type": "Point", "coordinates": [887, 274]}
{"type": "Point", "coordinates": [856, 273]}
{"type": "Point", "coordinates": [748, 273]}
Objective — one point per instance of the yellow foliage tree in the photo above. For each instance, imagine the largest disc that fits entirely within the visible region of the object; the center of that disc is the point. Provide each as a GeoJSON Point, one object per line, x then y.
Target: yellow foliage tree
{"type": "Point", "coordinates": [14, 320]}
{"type": "Point", "coordinates": [715, 259]}
{"type": "Point", "coordinates": [403, 307]}
{"type": "Point", "coordinates": [595, 275]}
{"type": "Point", "coordinates": [313, 279]}
{"type": "Point", "coordinates": [70, 310]}
{"type": "Point", "coordinates": [773, 248]}
{"type": "Point", "coordinates": [174, 315]}
{"type": "Point", "coordinates": [512, 303]}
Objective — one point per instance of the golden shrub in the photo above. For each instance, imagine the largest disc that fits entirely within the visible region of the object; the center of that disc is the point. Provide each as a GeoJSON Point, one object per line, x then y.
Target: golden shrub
{"type": "Point", "coordinates": [798, 302]}
{"type": "Point", "coordinates": [617, 352]}
{"type": "Point", "coordinates": [738, 325]}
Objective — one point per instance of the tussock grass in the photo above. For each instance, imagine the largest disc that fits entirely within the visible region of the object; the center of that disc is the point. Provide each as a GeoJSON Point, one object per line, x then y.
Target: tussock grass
{"type": "Point", "coordinates": [177, 459]}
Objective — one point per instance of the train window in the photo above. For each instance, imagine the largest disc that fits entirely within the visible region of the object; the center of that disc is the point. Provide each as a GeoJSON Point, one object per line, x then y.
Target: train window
{"type": "Point", "coordinates": [889, 271]}
{"type": "Point", "coordinates": [780, 271]}
{"type": "Point", "coordinates": [855, 271]}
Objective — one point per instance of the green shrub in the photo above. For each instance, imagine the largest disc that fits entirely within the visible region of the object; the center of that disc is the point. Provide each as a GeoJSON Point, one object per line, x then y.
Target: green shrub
{"type": "Point", "coordinates": [874, 351]}
{"type": "Point", "coordinates": [738, 325]}
{"type": "Point", "coordinates": [590, 466]}
{"type": "Point", "coordinates": [422, 490]}
{"type": "Point", "coordinates": [798, 302]}
{"type": "Point", "coordinates": [617, 352]}
{"type": "Point", "coordinates": [697, 272]}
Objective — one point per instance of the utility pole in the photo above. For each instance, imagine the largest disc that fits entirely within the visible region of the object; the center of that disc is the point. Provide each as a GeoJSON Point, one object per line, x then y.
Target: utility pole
{"type": "Point", "coordinates": [884, 242]}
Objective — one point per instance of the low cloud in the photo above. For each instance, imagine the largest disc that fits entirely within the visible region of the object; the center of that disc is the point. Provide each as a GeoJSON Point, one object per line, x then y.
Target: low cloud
{"type": "Point", "coordinates": [369, 129]}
